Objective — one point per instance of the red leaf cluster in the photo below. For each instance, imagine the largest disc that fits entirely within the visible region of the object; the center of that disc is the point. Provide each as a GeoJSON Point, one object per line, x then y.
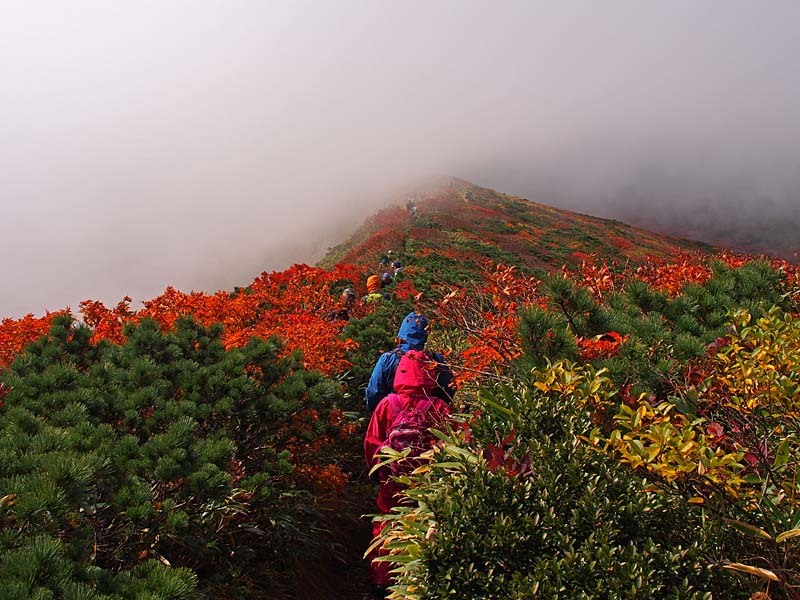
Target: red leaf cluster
{"type": "Point", "coordinates": [405, 290]}
{"type": "Point", "coordinates": [487, 313]}
{"type": "Point", "coordinates": [600, 279]}
{"type": "Point", "coordinates": [16, 333]}
{"type": "Point", "coordinates": [670, 277]}
{"type": "Point", "coordinates": [293, 304]}
{"type": "Point", "coordinates": [601, 346]}
{"type": "Point", "coordinates": [500, 457]}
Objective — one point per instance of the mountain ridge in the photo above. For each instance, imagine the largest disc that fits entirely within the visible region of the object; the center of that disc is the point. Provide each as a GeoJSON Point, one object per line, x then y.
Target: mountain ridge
{"type": "Point", "coordinates": [503, 228]}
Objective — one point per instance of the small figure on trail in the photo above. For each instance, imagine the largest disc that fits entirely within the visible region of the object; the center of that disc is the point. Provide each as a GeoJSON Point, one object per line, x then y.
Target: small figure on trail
{"type": "Point", "coordinates": [346, 302]}
{"type": "Point", "coordinates": [373, 290]}
{"type": "Point", "coordinates": [411, 208]}
{"type": "Point", "coordinates": [412, 335]}
{"type": "Point", "coordinates": [386, 279]}
{"type": "Point", "coordinates": [468, 196]}
{"type": "Point", "coordinates": [398, 268]}
{"type": "Point", "coordinates": [402, 420]}
{"type": "Point", "coordinates": [384, 261]}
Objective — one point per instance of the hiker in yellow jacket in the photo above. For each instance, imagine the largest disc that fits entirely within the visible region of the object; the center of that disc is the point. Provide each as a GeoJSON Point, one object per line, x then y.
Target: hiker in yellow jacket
{"type": "Point", "coordinates": [373, 290]}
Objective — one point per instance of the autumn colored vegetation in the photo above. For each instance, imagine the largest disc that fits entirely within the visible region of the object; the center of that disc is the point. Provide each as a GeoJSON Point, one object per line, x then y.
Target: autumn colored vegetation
{"type": "Point", "coordinates": [628, 420]}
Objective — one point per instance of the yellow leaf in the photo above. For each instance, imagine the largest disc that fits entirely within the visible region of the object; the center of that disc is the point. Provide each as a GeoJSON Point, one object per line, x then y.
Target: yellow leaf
{"type": "Point", "coordinates": [748, 529]}
{"type": "Point", "coordinates": [652, 452]}
{"type": "Point", "coordinates": [787, 535]}
{"type": "Point", "coordinates": [666, 472]}
{"type": "Point", "coordinates": [752, 570]}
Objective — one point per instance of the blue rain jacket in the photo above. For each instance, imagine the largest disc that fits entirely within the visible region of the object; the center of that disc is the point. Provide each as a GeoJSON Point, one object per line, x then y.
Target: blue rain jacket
{"type": "Point", "coordinates": [413, 335]}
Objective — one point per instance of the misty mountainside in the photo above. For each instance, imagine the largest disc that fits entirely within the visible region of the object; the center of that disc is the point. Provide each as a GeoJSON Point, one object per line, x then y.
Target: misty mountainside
{"type": "Point", "coordinates": [754, 229]}
{"type": "Point", "coordinates": [462, 234]}
{"type": "Point", "coordinates": [211, 445]}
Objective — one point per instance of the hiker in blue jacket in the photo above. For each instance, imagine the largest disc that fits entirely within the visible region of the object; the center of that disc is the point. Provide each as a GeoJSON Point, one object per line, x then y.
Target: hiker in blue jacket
{"type": "Point", "coordinates": [412, 335]}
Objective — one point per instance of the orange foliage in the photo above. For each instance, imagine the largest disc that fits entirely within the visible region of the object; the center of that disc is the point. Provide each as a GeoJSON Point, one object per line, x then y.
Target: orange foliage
{"type": "Point", "coordinates": [307, 446]}
{"type": "Point", "coordinates": [377, 244]}
{"type": "Point", "coordinates": [598, 278]}
{"type": "Point", "coordinates": [488, 315]}
{"type": "Point", "coordinates": [732, 259]}
{"type": "Point", "coordinates": [621, 242]}
{"type": "Point", "coordinates": [580, 254]}
{"type": "Point", "coordinates": [671, 277]}
{"type": "Point", "coordinates": [405, 289]}
{"type": "Point", "coordinates": [293, 304]}
{"type": "Point", "coordinates": [107, 323]}
{"type": "Point", "coordinates": [16, 333]}
{"type": "Point", "coordinates": [601, 346]}
{"type": "Point", "coordinates": [791, 277]}
{"type": "Point", "coordinates": [323, 480]}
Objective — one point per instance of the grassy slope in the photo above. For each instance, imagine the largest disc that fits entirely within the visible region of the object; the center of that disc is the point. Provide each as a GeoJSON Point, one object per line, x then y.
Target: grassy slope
{"type": "Point", "coordinates": [503, 228]}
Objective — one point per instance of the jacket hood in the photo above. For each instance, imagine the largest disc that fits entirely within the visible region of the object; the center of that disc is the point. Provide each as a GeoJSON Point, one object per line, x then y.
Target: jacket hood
{"type": "Point", "coordinates": [415, 375]}
{"type": "Point", "coordinates": [413, 332]}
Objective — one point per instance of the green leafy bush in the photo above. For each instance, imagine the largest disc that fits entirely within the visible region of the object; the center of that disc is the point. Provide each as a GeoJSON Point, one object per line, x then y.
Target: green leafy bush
{"type": "Point", "coordinates": [726, 442]}
{"type": "Point", "coordinates": [661, 332]}
{"type": "Point", "coordinates": [519, 507]}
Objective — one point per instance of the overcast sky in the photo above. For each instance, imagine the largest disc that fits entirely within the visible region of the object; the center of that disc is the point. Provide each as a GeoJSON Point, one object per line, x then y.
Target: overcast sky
{"type": "Point", "coordinates": [198, 143]}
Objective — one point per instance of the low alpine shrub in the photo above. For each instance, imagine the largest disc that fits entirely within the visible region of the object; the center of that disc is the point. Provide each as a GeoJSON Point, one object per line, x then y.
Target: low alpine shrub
{"type": "Point", "coordinates": [515, 505]}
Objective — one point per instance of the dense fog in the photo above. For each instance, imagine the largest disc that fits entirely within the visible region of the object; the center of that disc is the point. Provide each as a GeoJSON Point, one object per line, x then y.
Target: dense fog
{"type": "Point", "coordinates": [198, 143]}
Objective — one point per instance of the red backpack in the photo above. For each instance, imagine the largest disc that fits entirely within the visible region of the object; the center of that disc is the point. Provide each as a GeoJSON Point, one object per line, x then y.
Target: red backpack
{"type": "Point", "coordinates": [409, 428]}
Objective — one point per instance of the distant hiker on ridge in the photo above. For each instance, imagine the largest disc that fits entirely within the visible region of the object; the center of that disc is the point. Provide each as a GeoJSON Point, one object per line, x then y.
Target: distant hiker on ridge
{"type": "Point", "coordinates": [411, 208]}
{"type": "Point", "coordinates": [346, 302]}
{"type": "Point", "coordinates": [412, 335]}
{"type": "Point", "coordinates": [373, 290]}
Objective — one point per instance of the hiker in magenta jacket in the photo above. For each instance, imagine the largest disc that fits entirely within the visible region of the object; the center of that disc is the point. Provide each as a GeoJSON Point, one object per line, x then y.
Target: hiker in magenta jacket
{"type": "Point", "coordinates": [414, 384]}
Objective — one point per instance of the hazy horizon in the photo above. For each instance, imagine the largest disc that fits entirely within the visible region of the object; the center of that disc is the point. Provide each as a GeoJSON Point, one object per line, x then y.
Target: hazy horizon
{"type": "Point", "coordinates": [196, 144]}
